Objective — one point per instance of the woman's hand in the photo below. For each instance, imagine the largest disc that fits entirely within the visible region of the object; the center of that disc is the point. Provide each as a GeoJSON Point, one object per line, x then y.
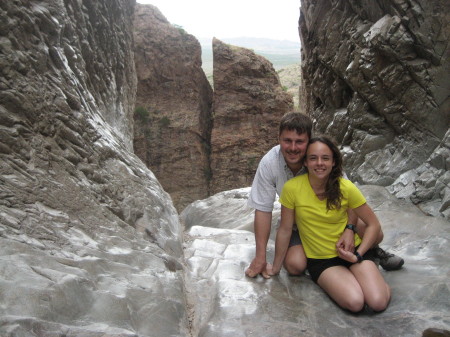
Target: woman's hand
{"type": "Point", "coordinates": [347, 256]}
{"type": "Point", "coordinates": [270, 271]}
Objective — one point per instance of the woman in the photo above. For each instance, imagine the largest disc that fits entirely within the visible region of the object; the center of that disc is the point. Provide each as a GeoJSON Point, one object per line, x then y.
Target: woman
{"type": "Point", "coordinates": [317, 202]}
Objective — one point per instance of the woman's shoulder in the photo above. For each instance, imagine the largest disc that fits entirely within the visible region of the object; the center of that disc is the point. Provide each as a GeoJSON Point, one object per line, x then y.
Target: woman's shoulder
{"type": "Point", "coordinates": [347, 185]}
{"type": "Point", "coordinates": [296, 182]}
{"type": "Point", "coordinates": [345, 182]}
{"type": "Point", "coordinates": [298, 179]}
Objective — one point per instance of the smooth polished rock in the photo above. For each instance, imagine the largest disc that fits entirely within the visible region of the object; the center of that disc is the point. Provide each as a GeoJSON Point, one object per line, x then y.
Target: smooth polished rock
{"type": "Point", "coordinates": [229, 304]}
{"type": "Point", "coordinates": [233, 202]}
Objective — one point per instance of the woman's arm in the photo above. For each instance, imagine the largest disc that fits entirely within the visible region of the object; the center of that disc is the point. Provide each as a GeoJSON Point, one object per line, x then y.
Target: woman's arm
{"type": "Point", "coordinates": [282, 239]}
{"type": "Point", "coordinates": [370, 235]}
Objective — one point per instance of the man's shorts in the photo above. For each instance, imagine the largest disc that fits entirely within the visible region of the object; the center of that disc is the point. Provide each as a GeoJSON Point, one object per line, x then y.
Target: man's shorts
{"type": "Point", "coordinates": [295, 237]}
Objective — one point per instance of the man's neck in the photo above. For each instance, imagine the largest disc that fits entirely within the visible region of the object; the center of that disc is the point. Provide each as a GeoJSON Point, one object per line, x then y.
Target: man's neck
{"type": "Point", "coordinates": [295, 168]}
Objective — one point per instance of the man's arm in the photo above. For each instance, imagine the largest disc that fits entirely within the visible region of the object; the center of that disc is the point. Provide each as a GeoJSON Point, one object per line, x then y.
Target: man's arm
{"type": "Point", "coordinates": [347, 239]}
{"type": "Point", "coordinates": [261, 198]}
{"type": "Point", "coordinates": [370, 236]}
{"type": "Point", "coordinates": [282, 240]}
{"type": "Point", "coordinates": [262, 225]}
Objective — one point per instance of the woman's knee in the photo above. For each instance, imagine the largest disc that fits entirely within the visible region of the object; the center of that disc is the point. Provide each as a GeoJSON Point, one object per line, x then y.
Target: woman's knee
{"type": "Point", "coordinates": [295, 264]}
{"type": "Point", "coordinates": [354, 303]}
{"type": "Point", "coordinates": [295, 268]}
{"type": "Point", "coordinates": [379, 302]}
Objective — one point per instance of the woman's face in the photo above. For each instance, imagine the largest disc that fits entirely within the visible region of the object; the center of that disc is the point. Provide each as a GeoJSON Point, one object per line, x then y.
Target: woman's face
{"type": "Point", "coordinates": [319, 160]}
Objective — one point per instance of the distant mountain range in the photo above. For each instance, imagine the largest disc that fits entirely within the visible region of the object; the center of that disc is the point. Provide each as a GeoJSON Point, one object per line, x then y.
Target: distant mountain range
{"type": "Point", "coordinates": [267, 45]}
{"type": "Point", "coordinates": [281, 53]}
{"type": "Point", "coordinates": [284, 55]}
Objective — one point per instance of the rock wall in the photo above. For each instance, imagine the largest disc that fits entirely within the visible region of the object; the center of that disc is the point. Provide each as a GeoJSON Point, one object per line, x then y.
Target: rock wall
{"type": "Point", "coordinates": [248, 104]}
{"type": "Point", "coordinates": [174, 100]}
{"type": "Point", "coordinates": [376, 77]}
{"type": "Point", "coordinates": [90, 244]}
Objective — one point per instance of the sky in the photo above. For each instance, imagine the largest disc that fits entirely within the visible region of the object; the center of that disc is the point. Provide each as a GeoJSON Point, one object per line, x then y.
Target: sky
{"type": "Point", "coordinates": [233, 18]}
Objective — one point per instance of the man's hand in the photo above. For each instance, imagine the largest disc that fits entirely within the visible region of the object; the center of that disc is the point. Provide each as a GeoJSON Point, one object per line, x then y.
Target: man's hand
{"type": "Point", "coordinates": [347, 256]}
{"type": "Point", "coordinates": [346, 241]}
{"type": "Point", "coordinates": [257, 267]}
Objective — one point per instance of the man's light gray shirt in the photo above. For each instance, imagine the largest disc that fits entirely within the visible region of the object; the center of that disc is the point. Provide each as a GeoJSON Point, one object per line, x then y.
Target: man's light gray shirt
{"type": "Point", "coordinates": [269, 179]}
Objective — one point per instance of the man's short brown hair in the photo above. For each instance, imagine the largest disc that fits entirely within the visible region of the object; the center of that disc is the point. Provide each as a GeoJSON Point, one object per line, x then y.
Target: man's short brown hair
{"type": "Point", "coordinates": [297, 121]}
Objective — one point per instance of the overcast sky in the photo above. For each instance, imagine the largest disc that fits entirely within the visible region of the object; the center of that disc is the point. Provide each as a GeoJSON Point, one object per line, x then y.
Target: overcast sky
{"type": "Point", "coordinates": [233, 18]}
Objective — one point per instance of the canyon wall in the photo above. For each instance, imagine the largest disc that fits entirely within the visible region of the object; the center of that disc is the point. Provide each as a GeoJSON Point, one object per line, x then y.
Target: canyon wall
{"type": "Point", "coordinates": [195, 141]}
{"type": "Point", "coordinates": [90, 243]}
{"type": "Point", "coordinates": [248, 104]}
{"type": "Point", "coordinates": [173, 106]}
{"type": "Point", "coordinates": [376, 77]}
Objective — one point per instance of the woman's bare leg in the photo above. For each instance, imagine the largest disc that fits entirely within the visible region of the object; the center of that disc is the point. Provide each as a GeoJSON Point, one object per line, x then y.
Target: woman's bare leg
{"type": "Point", "coordinates": [341, 285]}
{"type": "Point", "coordinates": [377, 293]}
{"type": "Point", "coordinates": [295, 260]}
{"type": "Point", "coordinates": [351, 288]}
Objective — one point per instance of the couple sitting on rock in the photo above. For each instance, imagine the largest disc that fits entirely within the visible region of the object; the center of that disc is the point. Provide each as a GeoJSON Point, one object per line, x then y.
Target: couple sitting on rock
{"type": "Point", "coordinates": [326, 225]}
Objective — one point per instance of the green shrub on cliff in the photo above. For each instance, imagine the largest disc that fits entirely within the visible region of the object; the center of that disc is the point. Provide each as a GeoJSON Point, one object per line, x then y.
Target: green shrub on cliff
{"type": "Point", "coordinates": [164, 122]}
{"type": "Point", "coordinates": [142, 113]}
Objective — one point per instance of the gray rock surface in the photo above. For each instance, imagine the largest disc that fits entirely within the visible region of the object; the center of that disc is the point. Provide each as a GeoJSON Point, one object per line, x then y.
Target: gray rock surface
{"type": "Point", "coordinates": [229, 304]}
{"type": "Point", "coordinates": [376, 76]}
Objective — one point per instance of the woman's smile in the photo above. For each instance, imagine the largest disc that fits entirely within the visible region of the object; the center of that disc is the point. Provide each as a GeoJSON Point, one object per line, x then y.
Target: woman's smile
{"type": "Point", "coordinates": [319, 160]}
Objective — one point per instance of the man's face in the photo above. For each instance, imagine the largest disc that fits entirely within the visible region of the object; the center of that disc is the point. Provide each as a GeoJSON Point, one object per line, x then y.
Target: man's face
{"type": "Point", "coordinates": [293, 146]}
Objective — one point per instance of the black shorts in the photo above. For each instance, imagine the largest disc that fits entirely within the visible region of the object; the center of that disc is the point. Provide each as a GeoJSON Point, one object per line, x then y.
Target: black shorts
{"type": "Point", "coordinates": [295, 238]}
{"type": "Point", "coordinates": [317, 266]}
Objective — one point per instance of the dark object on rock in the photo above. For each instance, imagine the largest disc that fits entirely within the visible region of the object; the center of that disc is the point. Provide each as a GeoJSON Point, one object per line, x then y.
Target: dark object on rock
{"type": "Point", "coordinates": [432, 332]}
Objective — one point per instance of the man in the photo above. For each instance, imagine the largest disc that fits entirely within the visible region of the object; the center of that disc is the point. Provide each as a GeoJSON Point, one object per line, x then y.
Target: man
{"type": "Point", "coordinates": [280, 164]}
